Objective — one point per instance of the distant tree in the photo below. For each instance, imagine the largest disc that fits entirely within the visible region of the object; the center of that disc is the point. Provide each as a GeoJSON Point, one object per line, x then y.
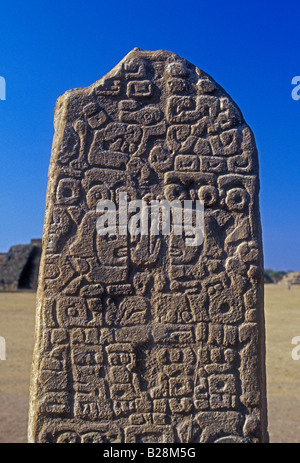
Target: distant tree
{"type": "Point", "coordinates": [267, 278]}
{"type": "Point", "coordinates": [272, 276]}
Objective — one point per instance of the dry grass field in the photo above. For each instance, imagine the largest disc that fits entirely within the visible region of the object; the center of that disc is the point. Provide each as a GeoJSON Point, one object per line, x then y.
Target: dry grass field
{"type": "Point", "coordinates": [283, 373]}
{"type": "Point", "coordinates": [282, 308]}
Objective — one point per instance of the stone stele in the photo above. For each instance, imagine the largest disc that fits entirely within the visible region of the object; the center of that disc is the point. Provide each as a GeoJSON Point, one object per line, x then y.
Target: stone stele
{"type": "Point", "coordinates": [143, 338]}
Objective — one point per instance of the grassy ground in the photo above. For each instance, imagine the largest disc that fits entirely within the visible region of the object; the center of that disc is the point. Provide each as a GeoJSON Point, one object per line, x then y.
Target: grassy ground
{"type": "Point", "coordinates": [17, 327]}
{"type": "Point", "coordinates": [283, 373]}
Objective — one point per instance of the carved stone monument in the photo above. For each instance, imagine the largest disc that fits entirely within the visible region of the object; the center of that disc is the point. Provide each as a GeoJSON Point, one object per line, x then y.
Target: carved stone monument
{"type": "Point", "coordinates": [139, 337]}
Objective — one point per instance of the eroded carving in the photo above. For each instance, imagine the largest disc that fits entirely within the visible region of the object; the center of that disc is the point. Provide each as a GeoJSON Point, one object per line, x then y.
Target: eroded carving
{"type": "Point", "coordinates": [142, 338]}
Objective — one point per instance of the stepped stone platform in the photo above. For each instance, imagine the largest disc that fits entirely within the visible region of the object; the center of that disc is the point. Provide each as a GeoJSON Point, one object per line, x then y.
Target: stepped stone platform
{"type": "Point", "coordinates": [19, 268]}
{"type": "Point", "coordinates": [292, 278]}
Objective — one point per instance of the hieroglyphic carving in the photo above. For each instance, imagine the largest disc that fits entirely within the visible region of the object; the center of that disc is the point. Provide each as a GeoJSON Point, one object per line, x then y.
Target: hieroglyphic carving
{"type": "Point", "coordinates": [142, 338]}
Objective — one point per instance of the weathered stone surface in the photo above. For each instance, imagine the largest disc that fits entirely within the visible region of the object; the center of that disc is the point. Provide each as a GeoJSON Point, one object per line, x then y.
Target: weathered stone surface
{"type": "Point", "coordinates": [146, 339]}
{"type": "Point", "coordinates": [19, 268]}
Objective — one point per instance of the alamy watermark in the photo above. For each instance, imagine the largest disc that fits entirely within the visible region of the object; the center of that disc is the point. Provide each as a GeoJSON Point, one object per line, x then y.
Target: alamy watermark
{"type": "Point", "coordinates": [296, 350]}
{"type": "Point", "coordinates": [154, 217]}
{"type": "Point", "coordinates": [2, 348]}
{"type": "Point", "coordinates": [2, 88]}
{"type": "Point", "coordinates": [296, 89]}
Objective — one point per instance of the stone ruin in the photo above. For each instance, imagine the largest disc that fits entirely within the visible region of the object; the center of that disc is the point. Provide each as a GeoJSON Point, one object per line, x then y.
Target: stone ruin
{"type": "Point", "coordinates": [291, 279]}
{"type": "Point", "coordinates": [142, 338]}
{"type": "Point", "coordinates": [19, 268]}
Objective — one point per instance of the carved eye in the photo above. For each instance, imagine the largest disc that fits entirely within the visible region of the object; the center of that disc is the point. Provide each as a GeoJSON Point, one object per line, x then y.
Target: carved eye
{"type": "Point", "coordinates": [147, 118]}
{"type": "Point", "coordinates": [67, 191]}
{"type": "Point", "coordinates": [224, 307]}
{"type": "Point", "coordinates": [220, 386]}
{"type": "Point", "coordinates": [237, 199]}
{"type": "Point", "coordinates": [208, 194]}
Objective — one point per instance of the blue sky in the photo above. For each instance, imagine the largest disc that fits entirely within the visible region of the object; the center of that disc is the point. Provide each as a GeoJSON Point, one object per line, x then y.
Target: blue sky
{"type": "Point", "coordinates": [251, 48]}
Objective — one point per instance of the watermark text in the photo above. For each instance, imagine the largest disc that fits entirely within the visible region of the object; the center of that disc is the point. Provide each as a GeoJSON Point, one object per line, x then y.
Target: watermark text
{"type": "Point", "coordinates": [2, 348]}
{"type": "Point", "coordinates": [296, 89]}
{"type": "Point", "coordinates": [2, 88]}
{"type": "Point", "coordinates": [139, 217]}
{"type": "Point", "coordinates": [296, 350]}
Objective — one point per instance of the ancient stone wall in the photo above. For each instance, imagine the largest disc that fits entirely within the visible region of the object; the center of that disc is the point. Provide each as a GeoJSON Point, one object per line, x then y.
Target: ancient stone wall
{"type": "Point", "coordinates": [19, 268]}
{"type": "Point", "coordinates": [292, 278]}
